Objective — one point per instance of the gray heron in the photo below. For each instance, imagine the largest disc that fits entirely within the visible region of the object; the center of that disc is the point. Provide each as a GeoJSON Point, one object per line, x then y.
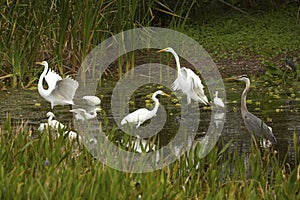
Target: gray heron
{"type": "Point", "coordinates": [253, 123]}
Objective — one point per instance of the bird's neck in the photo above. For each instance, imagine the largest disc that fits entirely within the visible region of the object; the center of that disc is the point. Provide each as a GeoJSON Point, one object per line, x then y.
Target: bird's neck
{"type": "Point", "coordinates": [41, 89]}
{"type": "Point", "coordinates": [50, 119]}
{"type": "Point", "coordinates": [177, 61]}
{"type": "Point", "coordinates": [154, 110]}
{"type": "Point", "coordinates": [244, 95]}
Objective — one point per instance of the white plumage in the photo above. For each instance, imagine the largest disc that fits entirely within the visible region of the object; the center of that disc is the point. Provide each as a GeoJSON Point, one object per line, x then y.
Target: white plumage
{"type": "Point", "coordinates": [52, 123]}
{"type": "Point", "coordinates": [218, 102]}
{"type": "Point", "coordinates": [82, 114]}
{"type": "Point", "coordinates": [187, 81]}
{"type": "Point", "coordinates": [60, 91]}
{"type": "Point", "coordinates": [139, 116]}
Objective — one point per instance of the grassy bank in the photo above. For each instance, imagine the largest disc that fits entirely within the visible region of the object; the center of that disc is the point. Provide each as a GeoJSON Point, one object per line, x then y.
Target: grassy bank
{"type": "Point", "coordinates": [63, 33]}
{"type": "Point", "coordinates": [41, 167]}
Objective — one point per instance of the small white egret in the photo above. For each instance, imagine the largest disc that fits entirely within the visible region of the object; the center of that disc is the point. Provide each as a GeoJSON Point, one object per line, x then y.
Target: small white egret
{"type": "Point", "coordinates": [82, 114]}
{"type": "Point", "coordinates": [187, 81]}
{"type": "Point", "coordinates": [43, 126]}
{"type": "Point", "coordinates": [72, 135]}
{"type": "Point", "coordinates": [218, 102]}
{"type": "Point", "coordinates": [54, 124]}
{"type": "Point", "coordinates": [60, 91]}
{"type": "Point", "coordinates": [141, 115]}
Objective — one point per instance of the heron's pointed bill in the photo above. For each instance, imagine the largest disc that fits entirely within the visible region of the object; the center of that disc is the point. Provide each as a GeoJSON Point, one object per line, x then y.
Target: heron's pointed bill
{"type": "Point", "coordinates": [231, 78]}
{"type": "Point", "coordinates": [162, 50]}
{"type": "Point", "coordinates": [39, 63]}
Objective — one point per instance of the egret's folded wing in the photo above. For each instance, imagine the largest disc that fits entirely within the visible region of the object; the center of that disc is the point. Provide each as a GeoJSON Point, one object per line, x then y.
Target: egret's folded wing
{"type": "Point", "coordinates": [51, 78]}
{"type": "Point", "coordinates": [181, 82]}
{"type": "Point", "coordinates": [65, 88]}
{"type": "Point", "coordinates": [92, 100]}
{"type": "Point", "coordinates": [197, 86]}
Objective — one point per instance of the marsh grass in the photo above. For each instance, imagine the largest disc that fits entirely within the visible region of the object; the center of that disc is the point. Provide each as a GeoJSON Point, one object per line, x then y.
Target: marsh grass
{"type": "Point", "coordinates": [35, 165]}
{"type": "Point", "coordinates": [64, 32]}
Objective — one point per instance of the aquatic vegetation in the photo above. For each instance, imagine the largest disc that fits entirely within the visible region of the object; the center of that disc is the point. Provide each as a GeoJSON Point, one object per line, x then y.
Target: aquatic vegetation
{"type": "Point", "coordinates": [34, 166]}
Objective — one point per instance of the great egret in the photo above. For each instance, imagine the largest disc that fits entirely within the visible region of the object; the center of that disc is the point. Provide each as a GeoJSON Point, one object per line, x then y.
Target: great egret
{"type": "Point", "coordinates": [218, 102]}
{"type": "Point", "coordinates": [187, 81]}
{"type": "Point", "coordinates": [54, 124]}
{"type": "Point", "coordinates": [60, 91]}
{"type": "Point", "coordinates": [253, 123]}
{"type": "Point", "coordinates": [141, 115]}
{"type": "Point", "coordinates": [82, 114]}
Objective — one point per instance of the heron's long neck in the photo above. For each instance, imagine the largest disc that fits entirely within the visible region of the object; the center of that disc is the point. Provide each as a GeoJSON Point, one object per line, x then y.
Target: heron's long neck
{"type": "Point", "coordinates": [244, 95]}
{"type": "Point", "coordinates": [41, 89]}
{"type": "Point", "coordinates": [154, 110]}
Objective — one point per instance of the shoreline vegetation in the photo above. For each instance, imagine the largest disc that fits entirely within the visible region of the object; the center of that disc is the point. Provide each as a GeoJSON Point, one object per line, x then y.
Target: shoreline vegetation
{"type": "Point", "coordinates": [241, 38]}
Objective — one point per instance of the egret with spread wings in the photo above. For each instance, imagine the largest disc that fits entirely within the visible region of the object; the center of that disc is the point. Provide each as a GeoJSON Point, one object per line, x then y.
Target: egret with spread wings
{"type": "Point", "coordinates": [60, 90]}
{"type": "Point", "coordinates": [187, 81]}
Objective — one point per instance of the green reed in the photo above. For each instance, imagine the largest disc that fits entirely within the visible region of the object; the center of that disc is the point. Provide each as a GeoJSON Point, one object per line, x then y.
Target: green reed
{"type": "Point", "coordinates": [36, 165]}
{"type": "Point", "coordinates": [64, 32]}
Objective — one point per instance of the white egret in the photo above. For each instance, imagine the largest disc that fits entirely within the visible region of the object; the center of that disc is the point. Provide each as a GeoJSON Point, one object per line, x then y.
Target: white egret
{"type": "Point", "coordinates": [141, 115]}
{"type": "Point", "coordinates": [54, 124]}
{"type": "Point", "coordinates": [60, 91]}
{"type": "Point", "coordinates": [218, 102]}
{"type": "Point", "coordinates": [82, 114]}
{"type": "Point", "coordinates": [187, 81]}
{"type": "Point", "coordinates": [72, 135]}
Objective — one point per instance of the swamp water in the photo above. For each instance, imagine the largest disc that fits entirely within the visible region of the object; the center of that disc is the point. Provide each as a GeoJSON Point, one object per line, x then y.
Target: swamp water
{"type": "Point", "coordinates": [279, 111]}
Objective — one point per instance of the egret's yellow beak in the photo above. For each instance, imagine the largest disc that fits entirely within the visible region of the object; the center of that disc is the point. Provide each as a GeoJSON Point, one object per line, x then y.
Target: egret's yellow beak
{"type": "Point", "coordinates": [39, 63]}
{"type": "Point", "coordinates": [162, 50]}
{"type": "Point", "coordinates": [165, 94]}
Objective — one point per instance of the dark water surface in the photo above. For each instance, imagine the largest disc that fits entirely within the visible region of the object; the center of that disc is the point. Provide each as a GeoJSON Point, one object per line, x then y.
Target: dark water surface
{"type": "Point", "coordinates": [278, 110]}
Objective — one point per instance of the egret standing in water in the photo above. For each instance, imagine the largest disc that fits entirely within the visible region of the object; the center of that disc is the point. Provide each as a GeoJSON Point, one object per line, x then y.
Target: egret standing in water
{"type": "Point", "coordinates": [253, 123]}
{"type": "Point", "coordinates": [187, 81]}
{"type": "Point", "coordinates": [141, 115]}
{"type": "Point", "coordinates": [60, 90]}
{"type": "Point", "coordinates": [218, 102]}
{"type": "Point", "coordinates": [54, 124]}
